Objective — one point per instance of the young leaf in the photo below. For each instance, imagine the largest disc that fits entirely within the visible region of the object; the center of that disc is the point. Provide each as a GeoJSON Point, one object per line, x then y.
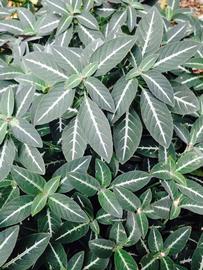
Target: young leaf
{"type": "Point", "coordinates": [38, 204]}
{"type": "Point", "coordinates": [7, 102]}
{"type": "Point", "coordinates": [102, 248]}
{"type": "Point", "coordinates": [102, 173]}
{"type": "Point", "coordinates": [123, 260]}
{"type": "Point", "coordinates": [76, 262]}
{"type": "Point", "coordinates": [7, 155]}
{"type": "Point", "coordinates": [155, 241]}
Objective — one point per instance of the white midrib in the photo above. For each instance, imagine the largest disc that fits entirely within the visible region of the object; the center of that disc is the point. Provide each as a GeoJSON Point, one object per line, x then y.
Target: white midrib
{"type": "Point", "coordinates": [8, 103]}
{"type": "Point", "coordinates": [183, 101]}
{"type": "Point", "coordinates": [126, 199]}
{"type": "Point", "coordinates": [148, 34]}
{"type": "Point", "coordinates": [3, 152]}
{"type": "Point", "coordinates": [110, 203]}
{"type": "Point", "coordinates": [96, 127]}
{"type": "Point", "coordinates": [55, 5]}
{"type": "Point", "coordinates": [126, 135]}
{"type": "Point", "coordinates": [177, 239]}
{"type": "Point", "coordinates": [32, 157]}
{"type": "Point", "coordinates": [192, 191]}
{"type": "Point", "coordinates": [87, 33]}
{"type": "Point", "coordinates": [118, 21]}
{"type": "Point", "coordinates": [123, 260]}
{"type": "Point", "coordinates": [85, 19]}
{"type": "Point", "coordinates": [132, 181]}
{"type": "Point", "coordinates": [56, 256]}
{"type": "Point", "coordinates": [175, 34]}
{"type": "Point", "coordinates": [6, 239]}
{"type": "Point", "coordinates": [91, 264]}
{"type": "Point", "coordinates": [11, 26]}
{"type": "Point", "coordinates": [24, 100]}
{"type": "Point", "coordinates": [155, 241]}
{"type": "Point", "coordinates": [26, 133]}
{"type": "Point", "coordinates": [155, 115]}
{"type": "Point", "coordinates": [76, 262]}
{"type": "Point", "coordinates": [84, 182]}
{"type": "Point", "coordinates": [113, 53]}
{"type": "Point", "coordinates": [102, 246]}
{"type": "Point", "coordinates": [189, 162]}
{"type": "Point", "coordinates": [173, 55]}
{"type": "Point", "coordinates": [73, 149]}
{"type": "Point", "coordinates": [27, 19]}
{"type": "Point", "coordinates": [72, 230]}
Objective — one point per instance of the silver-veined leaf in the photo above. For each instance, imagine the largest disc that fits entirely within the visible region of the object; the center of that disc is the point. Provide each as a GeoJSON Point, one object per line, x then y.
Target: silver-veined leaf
{"type": "Point", "coordinates": [102, 248]}
{"type": "Point", "coordinates": [7, 155]}
{"type": "Point", "coordinates": [192, 190]}
{"type": "Point", "coordinates": [196, 133]}
{"type": "Point", "coordinates": [24, 98]}
{"type": "Point", "coordinates": [76, 262]}
{"type": "Point", "coordinates": [7, 102]}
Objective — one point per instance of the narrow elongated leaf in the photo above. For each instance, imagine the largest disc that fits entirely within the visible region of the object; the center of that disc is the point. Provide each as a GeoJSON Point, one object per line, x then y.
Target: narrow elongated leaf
{"type": "Point", "coordinates": [66, 208]}
{"type": "Point", "coordinates": [25, 132]}
{"type": "Point", "coordinates": [102, 248]}
{"type": "Point", "coordinates": [3, 130]}
{"type": "Point", "coordinates": [177, 240]}
{"type": "Point", "coordinates": [192, 190]}
{"type": "Point", "coordinates": [133, 180]}
{"type": "Point", "coordinates": [147, 36]}
{"type": "Point", "coordinates": [100, 94]}
{"type": "Point", "coordinates": [96, 128]}
{"type": "Point", "coordinates": [7, 102]}
{"type": "Point", "coordinates": [89, 21]}
{"type": "Point", "coordinates": [157, 118]}
{"type": "Point", "coordinates": [196, 133]}
{"type": "Point", "coordinates": [76, 262]}
{"type": "Point", "coordinates": [109, 203]}
{"type": "Point", "coordinates": [38, 203]}
{"type": "Point", "coordinates": [56, 257]}
{"type": "Point", "coordinates": [111, 53]}
{"type": "Point", "coordinates": [118, 233]}
{"type": "Point", "coordinates": [123, 94]}
{"type": "Point", "coordinates": [44, 67]}
{"type": "Point", "coordinates": [159, 86]}
{"type": "Point", "coordinates": [33, 246]}
{"type": "Point", "coordinates": [175, 54]}
{"type": "Point", "coordinates": [102, 173]}
{"type": "Point", "coordinates": [15, 210]}
{"type": "Point", "coordinates": [123, 260]}
{"type": "Point", "coordinates": [193, 206]}
{"type": "Point", "coordinates": [30, 183]}
{"type": "Point", "coordinates": [7, 155]}
{"type": "Point", "coordinates": [8, 238]}
{"type": "Point", "coordinates": [127, 135]}
{"type": "Point", "coordinates": [190, 161]}
{"type": "Point", "coordinates": [73, 141]}
{"type": "Point", "coordinates": [134, 233]}
{"type": "Point", "coordinates": [197, 257]}
{"type": "Point", "coordinates": [53, 104]}
{"type": "Point", "coordinates": [24, 98]}
{"type": "Point", "coordinates": [155, 241]}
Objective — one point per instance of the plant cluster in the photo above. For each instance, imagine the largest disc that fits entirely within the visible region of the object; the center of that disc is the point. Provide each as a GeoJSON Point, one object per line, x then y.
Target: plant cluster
{"type": "Point", "coordinates": [101, 136]}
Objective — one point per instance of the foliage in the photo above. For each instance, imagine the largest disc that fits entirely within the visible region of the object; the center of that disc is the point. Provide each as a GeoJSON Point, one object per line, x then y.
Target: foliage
{"type": "Point", "coordinates": [101, 136]}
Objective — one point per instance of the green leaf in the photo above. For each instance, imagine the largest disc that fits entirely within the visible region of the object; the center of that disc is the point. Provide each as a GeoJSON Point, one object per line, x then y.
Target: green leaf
{"type": "Point", "coordinates": [3, 130]}
{"type": "Point", "coordinates": [28, 182]}
{"type": "Point", "coordinates": [177, 240]}
{"type": "Point", "coordinates": [118, 233]}
{"type": "Point", "coordinates": [32, 159]}
{"type": "Point", "coordinates": [190, 161]}
{"type": "Point", "coordinates": [195, 63]}
{"type": "Point", "coordinates": [51, 186]}
{"type": "Point", "coordinates": [149, 262]}
{"type": "Point", "coordinates": [193, 206]}
{"type": "Point", "coordinates": [142, 222]}
{"type": "Point", "coordinates": [8, 238]}
{"type": "Point", "coordinates": [100, 94]}
{"type": "Point", "coordinates": [54, 104]}
{"type": "Point", "coordinates": [31, 249]}
{"type": "Point", "coordinates": [89, 21]}
{"type": "Point", "coordinates": [73, 141]}
{"type": "Point", "coordinates": [123, 94]}
{"type": "Point", "coordinates": [102, 173]}
{"type": "Point", "coordinates": [111, 53]}
{"type": "Point", "coordinates": [15, 210]}
{"type": "Point", "coordinates": [197, 255]}
{"type": "Point", "coordinates": [25, 132]}
{"type": "Point", "coordinates": [192, 190]}
{"type": "Point", "coordinates": [155, 241]}
{"type": "Point", "coordinates": [175, 54]}
{"type": "Point", "coordinates": [70, 232]}
{"type": "Point", "coordinates": [134, 233]}
{"type": "Point", "coordinates": [38, 204]}
{"type": "Point", "coordinates": [166, 263]}
{"type": "Point", "coordinates": [159, 86]}
{"type": "Point", "coordinates": [7, 102]}
{"type": "Point", "coordinates": [157, 118]}
{"type": "Point", "coordinates": [128, 200]}
{"type": "Point", "coordinates": [127, 135]}
{"type": "Point", "coordinates": [109, 203]}
{"type": "Point", "coordinates": [56, 257]}
{"type": "Point", "coordinates": [133, 180]}
{"type": "Point", "coordinates": [66, 208]}
{"type": "Point", "coordinates": [96, 128]}
{"type": "Point", "coordinates": [196, 133]}
{"type": "Point", "coordinates": [102, 248]}
{"type": "Point", "coordinates": [147, 36]}
{"type": "Point", "coordinates": [123, 260]}
{"type": "Point", "coordinates": [76, 262]}
{"type": "Point", "coordinates": [44, 67]}
{"type": "Point", "coordinates": [7, 155]}
{"type": "Point", "coordinates": [84, 183]}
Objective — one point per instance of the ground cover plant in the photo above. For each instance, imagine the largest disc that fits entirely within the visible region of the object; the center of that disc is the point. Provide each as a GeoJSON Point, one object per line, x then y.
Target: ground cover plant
{"type": "Point", "coordinates": [101, 135]}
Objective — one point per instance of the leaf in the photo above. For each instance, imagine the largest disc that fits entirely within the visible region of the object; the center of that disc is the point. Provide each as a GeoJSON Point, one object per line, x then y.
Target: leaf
{"type": "Point", "coordinates": [128, 200]}
{"type": "Point", "coordinates": [175, 54]}
{"type": "Point", "coordinates": [133, 180]}
{"type": "Point", "coordinates": [89, 21]}
{"type": "Point", "coordinates": [24, 98]}
{"type": "Point", "coordinates": [32, 159]}
{"type": "Point", "coordinates": [25, 132]}
{"type": "Point", "coordinates": [159, 86]}
{"type": "Point", "coordinates": [177, 240]}
{"type": "Point", "coordinates": [51, 186]}
{"type": "Point", "coordinates": [15, 210]}
{"type": "Point", "coordinates": [70, 232]}
{"type": "Point", "coordinates": [155, 241]}
{"type": "Point", "coordinates": [7, 102]}
{"type": "Point", "coordinates": [3, 130]}
{"type": "Point", "coordinates": [118, 233]}
{"type": "Point", "coordinates": [185, 101]}
{"type": "Point", "coordinates": [166, 263]}
{"type": "Point", "coordinates": [53, 105]}
{"type": "Point", "coordinates": [197, 256]}
{"type": "Point", "coordinates": [38, 203]}
{"type": "Point", "coordinates": [56, 257]}
{"type": "Point", "coordinates": [147, 36]}
{"type": "Point", "coordinates": [193, 206]}
{"type": "Point", "coordinates": [123, 260]}
{"type": "Point", "coordinates": [134, 233]}
{"type": "Point", "coordinates": [127, 135]}
{"type": "Point", "coordinates": [149, 262]}
{"type": "Point", "coordinates": [32, 249]}
{"type": "Point", "coordinates": [192, 190]}
{"type": "Point", "coordinates": [196, 133]}
{"type": "Point", "coordinates": [66, 208]}
{"type": "Point", "coordinates": [190, 161]}
{"type": "Point", "coordinates": [157, 118]}
{"type": "Point", "coordinates": [142, 222]}
{"type": "Point", "coordinates": [96, 128]}
{"type": "Point", "coordinates": [8, 238]}
{"type": "Point", "coordinates": [84, 183]}
{"type": "Point", "coordinates": [44, 67]}
{"type": "Point", "coordinates": [102, 248]}
{"type": "Point", "coordinates": [76, 261]}
{"type": "Point", "coordinates": [123, 94]}
{"type": "Point", "coordinates": [28, 182]}
{"type": "Point", "coordinates": [7, 155]}
{"type": "Point", "coordinates": [109, 203]}
{"type": "Point", "coordinates": [111, 53]}
{"type": "Point", "coordinates": [102, 173]}
{"type": "Point", "coordinates": [100, 94]}
{"type": "Point", "coordinates": [73, 141]}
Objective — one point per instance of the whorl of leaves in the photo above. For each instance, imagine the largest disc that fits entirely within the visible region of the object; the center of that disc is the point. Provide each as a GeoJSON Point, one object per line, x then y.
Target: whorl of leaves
{"type": "Point", "coordinates": [101, 135]}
